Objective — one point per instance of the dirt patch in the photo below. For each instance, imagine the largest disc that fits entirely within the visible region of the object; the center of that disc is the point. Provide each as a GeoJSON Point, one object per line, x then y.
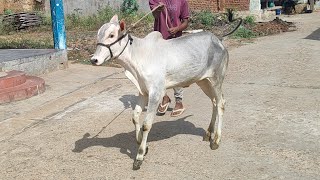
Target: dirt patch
{"type": "Point", "coordinates": [81, 45]}
{"type": "Point", "coordinates": [273, 27]}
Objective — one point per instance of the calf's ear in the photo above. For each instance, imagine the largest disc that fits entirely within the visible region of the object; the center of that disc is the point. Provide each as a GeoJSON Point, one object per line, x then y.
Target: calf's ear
{"type": "Point", "coordinates": [114, 19]}
{"type": "Point", "coordinates": [122, 25]}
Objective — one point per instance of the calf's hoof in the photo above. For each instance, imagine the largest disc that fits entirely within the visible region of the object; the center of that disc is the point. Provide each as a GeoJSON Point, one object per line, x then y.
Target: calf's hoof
{"type": "Point", "coordinates": [137, 164]}
{"type": "Point", "coordinates": [214, 145]}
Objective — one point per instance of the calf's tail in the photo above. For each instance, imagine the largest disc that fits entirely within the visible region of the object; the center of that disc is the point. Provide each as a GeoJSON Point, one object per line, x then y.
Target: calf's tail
{"type": "Point", "coordinates": [229, 33]}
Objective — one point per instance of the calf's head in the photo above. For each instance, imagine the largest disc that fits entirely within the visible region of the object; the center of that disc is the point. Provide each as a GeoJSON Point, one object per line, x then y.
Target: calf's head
{"type": "Point", "coordinates": [109, 41]}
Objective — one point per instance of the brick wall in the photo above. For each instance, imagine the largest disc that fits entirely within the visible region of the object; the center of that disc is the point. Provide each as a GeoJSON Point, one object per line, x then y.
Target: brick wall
{"type": "Point", "coordinates": [198, 5]}
{"type": "Point", "coordinates": [218, 5]}
{"type": "Point", "coordinates": [240, 5]}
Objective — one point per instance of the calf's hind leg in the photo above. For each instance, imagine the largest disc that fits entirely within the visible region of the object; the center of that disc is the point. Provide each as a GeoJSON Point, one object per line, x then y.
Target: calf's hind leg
{"type": "Point", "coordinates": [207, 88]}
{"type": "Point", "coordinates": [214, 144]}
{"type": "Point", "coordinates": [213, 91]}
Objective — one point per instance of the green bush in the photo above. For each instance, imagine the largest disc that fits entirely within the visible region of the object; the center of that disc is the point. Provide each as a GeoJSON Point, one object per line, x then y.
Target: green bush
{"type": "Point", "coordinates": [129, 6]}
{"type": "Point", "coordinates": [243, 32]}
{"type": "Point", "coordinates": [205, 17]}
{"type": "Point", "coordinates": [5, 28]}
{"type": "Point", "coordinates": [45, 20]}
{"type": "Point", "coordinates": [94, 22]}
{"type": "Point", "coordinates": [8, 11]}
{"type": "Point", "coordinates": [105, 14]}
{"type": "Point", "coordinates": [77, 21]}
{"type": "Point", "coordinates": [250, 20]}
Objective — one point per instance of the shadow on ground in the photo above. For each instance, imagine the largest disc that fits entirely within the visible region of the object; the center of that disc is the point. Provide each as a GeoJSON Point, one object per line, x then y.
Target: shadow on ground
{"type": "Point", "coordinates": [129, 101]}
{"type": "Point", "coordinates": [126, 142]}
{"type": "Point", "coordinates": [315, 35]}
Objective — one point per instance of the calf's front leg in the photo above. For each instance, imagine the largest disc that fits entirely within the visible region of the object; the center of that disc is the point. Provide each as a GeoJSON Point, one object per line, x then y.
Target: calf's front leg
{"type": "Point", "coordinates": [141, 103]}
{"type": "Point", "coordinates": [155, 96]}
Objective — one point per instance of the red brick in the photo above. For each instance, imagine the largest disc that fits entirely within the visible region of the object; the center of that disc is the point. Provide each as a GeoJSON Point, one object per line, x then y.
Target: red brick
{"type": "Point", "coordinates": [16, 90]}
{"type": "Point", "coordinates": [13, 78]}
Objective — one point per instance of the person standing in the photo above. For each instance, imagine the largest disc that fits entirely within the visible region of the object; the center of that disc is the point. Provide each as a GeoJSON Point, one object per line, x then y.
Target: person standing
{"type": "Point", "coordinates": [177, 20]}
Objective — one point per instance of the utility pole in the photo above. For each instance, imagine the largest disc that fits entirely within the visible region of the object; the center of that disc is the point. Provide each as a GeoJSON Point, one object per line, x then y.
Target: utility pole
{"type": "Point", "coordinates": [58, 26]}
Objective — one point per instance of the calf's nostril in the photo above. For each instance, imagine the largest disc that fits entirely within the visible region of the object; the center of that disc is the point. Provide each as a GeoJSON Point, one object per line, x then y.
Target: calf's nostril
{"type": "Point", "coordinates": [94, 61]}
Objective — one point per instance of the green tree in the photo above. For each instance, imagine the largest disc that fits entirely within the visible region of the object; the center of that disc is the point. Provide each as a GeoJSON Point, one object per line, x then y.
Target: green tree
{"type": "Point", "coordinates": [129, 6]}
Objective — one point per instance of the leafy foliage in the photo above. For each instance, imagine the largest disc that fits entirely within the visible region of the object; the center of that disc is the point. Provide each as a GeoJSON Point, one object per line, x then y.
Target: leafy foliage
{"type": "Point", "coordinates": [206, 18]}
{"type": "Point", "coordinates": [8, 11]}
{"type": "Point", "coordinates": [129, 6]}
{"type": "Point", "coordinates": [244, 32]}
{"type": "Point", "coordinates": [250, 20]}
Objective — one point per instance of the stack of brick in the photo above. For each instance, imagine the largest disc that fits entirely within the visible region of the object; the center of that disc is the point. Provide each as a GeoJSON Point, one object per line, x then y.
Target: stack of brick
{"type": "Point", "coordinates": [218, 5]}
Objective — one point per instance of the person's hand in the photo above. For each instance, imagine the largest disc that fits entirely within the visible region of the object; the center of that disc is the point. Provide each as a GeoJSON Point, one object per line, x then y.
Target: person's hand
{"type": "Point", "coordinates": [160, 7]}
{"type": "Point", "coordinates": [174, 30]}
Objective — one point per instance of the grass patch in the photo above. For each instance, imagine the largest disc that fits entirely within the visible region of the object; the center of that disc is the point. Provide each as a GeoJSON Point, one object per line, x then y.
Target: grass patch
{"type": "Point", "coordinates": [205, 18]}
{"type": "Point", "coordinates": [249, 20]}
{"type": "Point", "coordinates": [243, 32]}
{"type": "Point", "coordinates": [5, 28]}
{"type": "Point", "coordinates": [25, 43]}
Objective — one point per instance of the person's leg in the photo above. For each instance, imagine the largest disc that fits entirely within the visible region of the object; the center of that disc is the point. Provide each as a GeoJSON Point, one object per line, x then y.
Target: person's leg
{"type": "Point", "coordinates": [163, 106]}
{"type": "Point", "coordinates": [178, 109]}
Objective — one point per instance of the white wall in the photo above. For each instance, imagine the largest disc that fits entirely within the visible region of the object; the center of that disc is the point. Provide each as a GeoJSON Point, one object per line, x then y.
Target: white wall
{"type": "Point", "coordinates": [255, 6]}
{"type": "Point", "coordinates": [89, 7]}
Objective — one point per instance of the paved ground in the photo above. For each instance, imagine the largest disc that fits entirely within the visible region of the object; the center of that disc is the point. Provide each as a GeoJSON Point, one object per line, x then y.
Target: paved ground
{"type": "Point", "coordinates": [81, 129]}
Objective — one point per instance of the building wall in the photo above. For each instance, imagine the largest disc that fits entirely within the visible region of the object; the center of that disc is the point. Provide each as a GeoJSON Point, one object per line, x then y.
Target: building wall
{"type": "Point", "coordinates": [255, 6]}
{"type": "Point", "coordinates": [89, 7]}
{"type": "Point", "coordinates": [239, 5]}
{"type": "Point", "coordinates": [209, 5]}
{"type": "Point", "coordinates": [219, 5]}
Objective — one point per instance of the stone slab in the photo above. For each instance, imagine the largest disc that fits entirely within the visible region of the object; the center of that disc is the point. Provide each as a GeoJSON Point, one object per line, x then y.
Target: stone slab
{"type": "Point", "coordinates": [33, 61]}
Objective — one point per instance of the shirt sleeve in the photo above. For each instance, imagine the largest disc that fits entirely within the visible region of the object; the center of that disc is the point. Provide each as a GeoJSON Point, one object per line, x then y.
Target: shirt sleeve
{"type": "Point", "coordinates": [153, 4]}
{"type": "Point", "coordinates": [185, 13]}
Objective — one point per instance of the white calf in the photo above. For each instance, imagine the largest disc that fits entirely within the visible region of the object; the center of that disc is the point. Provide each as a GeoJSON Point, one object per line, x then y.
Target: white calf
{"type": "Point", "coordinates": [154, 65]}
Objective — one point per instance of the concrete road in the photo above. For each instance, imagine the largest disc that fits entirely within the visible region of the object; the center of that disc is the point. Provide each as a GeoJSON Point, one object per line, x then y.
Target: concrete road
{"type": "Point", "coordinates": [80, 127]}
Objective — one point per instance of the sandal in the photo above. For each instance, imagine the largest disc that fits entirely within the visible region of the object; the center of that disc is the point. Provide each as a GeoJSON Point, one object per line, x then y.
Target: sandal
{"type": "Point", "coordinates": [177, 112]}
{"type": "Point", "coordinates": [178, 109]}
{"type": "Point", "coordinates": [163, 107]}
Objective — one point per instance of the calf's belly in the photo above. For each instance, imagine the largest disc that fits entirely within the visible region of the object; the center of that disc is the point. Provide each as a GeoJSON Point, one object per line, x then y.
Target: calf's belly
{"type": "Point", "coordinates": [184, 79]}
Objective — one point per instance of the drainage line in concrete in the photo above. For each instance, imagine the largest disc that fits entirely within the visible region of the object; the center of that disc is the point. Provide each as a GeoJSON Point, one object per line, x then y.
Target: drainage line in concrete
{"type": "Point", "coordinates": [108, 124]}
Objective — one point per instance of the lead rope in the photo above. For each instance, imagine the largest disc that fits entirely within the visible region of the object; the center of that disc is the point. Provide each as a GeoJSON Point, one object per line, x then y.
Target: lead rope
{"type": "Point", "coordinates": [154, 9]}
